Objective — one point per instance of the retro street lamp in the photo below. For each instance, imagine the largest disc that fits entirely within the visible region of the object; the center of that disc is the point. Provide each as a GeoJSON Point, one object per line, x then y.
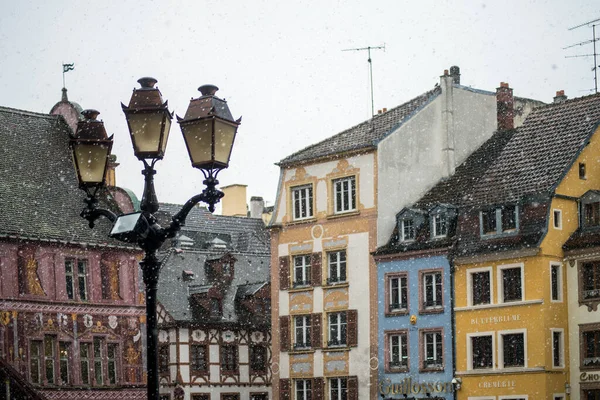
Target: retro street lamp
{"type": "Point", "coordinates": [208, 131]}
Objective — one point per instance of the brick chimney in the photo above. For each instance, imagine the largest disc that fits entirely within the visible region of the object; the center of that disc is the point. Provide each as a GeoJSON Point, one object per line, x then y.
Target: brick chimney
{"type": "Point", "coordinates": [455, 74]}
{"type": "Point", "coordinates": [560, 97]}
{"type": "Point", "coordinates": [505, 110]}
{"type": "Point", "coordinates": [234, 201]}
{"type": "Point", "coordinates": [257, 206]}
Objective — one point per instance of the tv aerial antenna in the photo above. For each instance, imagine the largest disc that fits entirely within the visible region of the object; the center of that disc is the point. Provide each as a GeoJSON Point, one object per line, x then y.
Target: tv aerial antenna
{"type": "Point", "coordinates": [368, 49]}
{"type": "Point", "coordinates": [594, 39]}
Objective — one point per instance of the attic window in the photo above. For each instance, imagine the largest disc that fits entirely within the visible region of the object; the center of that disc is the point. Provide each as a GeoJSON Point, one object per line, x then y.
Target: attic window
{"type": "Point", "coordinates": [592, 214]}
{"type": "Point", "coordinates": [187, 275]}
{"type": "Point", "coordinates": [582, 171]}
{"type": "Point", "coordinates": [499, 220]}
{"type": "Point", "coordinates": [407, 229]}
{"type": "Point", "coordinates": [440, 225]}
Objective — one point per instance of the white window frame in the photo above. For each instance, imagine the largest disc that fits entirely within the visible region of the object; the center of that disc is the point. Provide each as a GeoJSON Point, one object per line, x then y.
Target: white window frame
{"type": "Point", "coordinates": [470, 273]}
{"type": "Point", "coordinates": [557, 222]}
{"type": "Point", "coordinates": [303, 194]}
{"type": "Point", "coordinates": [305, 267]}
{"type": "Point", "coordinates": [500, 340]}
{"type": "Point", "coordinates": [341, 341]}
{"type": "Point", "coordinates": [342, 392]}
{"type": "Point", "coordinates": [433, 333]}
{"type": "Point", "coordinates": [398, 277]}
{"type": "Point", "coordinates": [337, 265]}
{"type": "Point", "coordinates": [402, 336]}
{"type": "Point", "coordinates": [76, 278]}
{"type": "Point", "coordinates": [470, 349]}
{"type": "Point", "coordinates": [442, 218]}
{"type": "Point", "coordinates": [305, 327]}
{"type": "Point", "coordinates": [562, 347]}
{"type": "Point", "coordinates": [306, 389]}
{"type": "Point", "coordinates": [439, 274]}
{"type": "Point", "coordinates": [500, 282]}
{"type": "Point", "coordinates": [402, 230]}
{"type": "Point", "coordinates": [347, 192]}
{"type": "Point", "coordinates": [559, 283]}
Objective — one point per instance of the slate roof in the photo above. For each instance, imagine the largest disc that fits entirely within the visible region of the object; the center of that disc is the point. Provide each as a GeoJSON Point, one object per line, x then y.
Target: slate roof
{"type": "Point", "coordinates": [541, 152]}
{"type": "Point", "coordinates": [247, 240]}
{"type": "Point", "coordinates": [365, 135]}
{"type": "Point", "coordinates": [39, 194]}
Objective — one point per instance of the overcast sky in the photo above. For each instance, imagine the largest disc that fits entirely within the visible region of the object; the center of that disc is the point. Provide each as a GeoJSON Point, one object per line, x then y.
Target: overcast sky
{"type": "Point", "coordinates": [280, 65]}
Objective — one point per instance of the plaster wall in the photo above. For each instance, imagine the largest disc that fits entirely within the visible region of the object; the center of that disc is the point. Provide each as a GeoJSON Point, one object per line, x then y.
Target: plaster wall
{"type": "Point", "coordinates": [428, 147]}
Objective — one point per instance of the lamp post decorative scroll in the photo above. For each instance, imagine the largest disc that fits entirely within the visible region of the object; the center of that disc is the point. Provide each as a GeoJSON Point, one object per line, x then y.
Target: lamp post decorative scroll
{"type": "Point", "coordinates": [209, 132]}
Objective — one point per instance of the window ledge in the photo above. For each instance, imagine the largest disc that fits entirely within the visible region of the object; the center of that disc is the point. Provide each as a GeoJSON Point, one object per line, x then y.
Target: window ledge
{"type": "Point", "coordinates": [398, 313]}
{"type": "Point", "coordinates": [302, 221]}
{"type": "Point", "coordinates": [337, 348]}
{"type": "Point", "coordinates": [336, 285]}
{"type": "Point", "coordinates": [343, 214]}
{"type": "Point", "coordinates": [499, 371]}
{"type": "Point", "coordinates": [300, 289]}
{"type": "Point", "coordinates": [432, 369]}
{"type": "Point", "coordinates": [500, 305]}
{"type": "Point", "coordinates": [307, 350]}
{"type": "Point", "coordinates": [432, 310]}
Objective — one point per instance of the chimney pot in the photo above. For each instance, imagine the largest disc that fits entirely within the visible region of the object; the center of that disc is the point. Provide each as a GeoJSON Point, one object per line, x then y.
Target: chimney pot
{"type": "Point", "coordinates": [384, 109]}
{"type": "Point", "coordinates": [560, 96]}
{"type": "Point", "coordinates": [445, 72]}
{"type": "Point", "coordinates": [378, 111]}
{"type": "Point", "coordinates": [455, 74]}
{"type": "Point", "coordinates": [505, 112]}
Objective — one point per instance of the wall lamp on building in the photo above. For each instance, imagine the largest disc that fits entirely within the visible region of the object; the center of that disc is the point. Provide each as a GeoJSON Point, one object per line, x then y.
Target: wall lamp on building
{"type": "Point", "coordinates": [457, 383]}
{"type": "Point", "coordinates": [209, 131]}
{"type": "Point", "coordinates": [567, 388]}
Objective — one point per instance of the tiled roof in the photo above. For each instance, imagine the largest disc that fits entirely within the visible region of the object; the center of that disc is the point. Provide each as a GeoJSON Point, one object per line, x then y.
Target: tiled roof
{"type": "Point", "coordinates": [541, 151]}
{"type": "Point", "coordinates": [364, 135]}
{"type": "Point", "coordinates": [39, 194]}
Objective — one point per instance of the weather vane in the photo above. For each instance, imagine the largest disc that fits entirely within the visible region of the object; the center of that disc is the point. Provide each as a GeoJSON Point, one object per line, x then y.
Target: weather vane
{"type": "Point", "coordinates": [67, 68]}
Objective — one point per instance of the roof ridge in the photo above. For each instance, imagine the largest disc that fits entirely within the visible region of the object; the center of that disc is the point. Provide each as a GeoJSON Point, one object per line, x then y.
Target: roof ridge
{"type": "Point", "coordinates": [26, 112]}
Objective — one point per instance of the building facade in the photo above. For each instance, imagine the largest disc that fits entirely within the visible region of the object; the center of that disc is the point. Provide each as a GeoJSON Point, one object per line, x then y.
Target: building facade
{"type": "Point", "coordinates": [335, 203]}
{"type": "Point", "coordinates": [214, 310]}
{"type": "Point", "coordinates": [71, 310]}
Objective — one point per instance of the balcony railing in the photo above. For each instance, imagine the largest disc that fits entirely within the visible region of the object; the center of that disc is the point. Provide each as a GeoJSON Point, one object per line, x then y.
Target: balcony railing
{"type": "Point", "coordinates": [591, 294]}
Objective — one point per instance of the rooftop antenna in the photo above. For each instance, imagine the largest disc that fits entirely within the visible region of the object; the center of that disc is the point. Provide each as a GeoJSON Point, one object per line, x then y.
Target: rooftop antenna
{"type": "Point", "coordinates": [594, 39]}
{"type": "Point", "coordinates": [369, 48]}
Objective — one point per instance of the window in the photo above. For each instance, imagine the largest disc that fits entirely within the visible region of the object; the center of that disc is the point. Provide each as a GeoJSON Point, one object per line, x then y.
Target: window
{"type": "Point", "coordinates": [302, 202]}
{"type": "Point", "coordinates": [433, 353]}
{"type": "Point", "coordinates": [216, 308]}
{"type": "Point", "coordinates": [440, 225]}
{"type": "Point", "coordinates": [338, 389]}
{"type": "Point", "coordinates": [590, 346]}
{"type": "Point", "coordinates": [513, 349]}
{"type": "Point", "coordinates": [557, 348]}
{"type": "Point", "coordinates": [259, 396]}
{"type": "Point", "coordinates": [337, 266]}
{"type": "Point", "coordinates": [590, 282]}
{"type": "Point", "coordinates": [302, 331]}
{"type": "Point", "coordinates": [230, 396]}
{"type": "Point", "coordinates": [200, 396]}
{"type": "Point", "coordinates": [163, 359]}
{"type": "Point", "coordinates": [98, 358]}
{"type": "Point", "coordinates": [557, 219]}
{"type": "Point", "coordinates": [35, 354]}
{"type": "Point", "coordinates": [407, 229]}
{"type": "Point", "coordinates": [511, 283]}
{"type": "Point", "coordinates": [397, 293]}
{"type": "Point", "coordinates": [98, 361]}
{"type": "Point", "coordinates": [482, 351]}
{"type": "Point", "coordinates": [431, 290]}
{"type": "Point", "coordinates": [303, 389]}
{"type": "Point", "coordinates": [199, 358]}
{"type": "Point", "coordinates": [84, 362]}
{"type": "Point", "coordinates": [556, 282]}
{"type": "Point", "coordinates": [479, 283]}
{"type": "Point", "coordinates": [337, 329]}
{"type": "Point", "coordinates": [76, 279]}
{"type": "Point", "coordinates": [258, 358]}
{"type": "Point", "coordinates": [344, 194]}
{"type": "Point", "coordinates": [397, 351]}
{"type": "Point", "coordinates": [64, 351]}
{"type": "Point", "coordinates": [590, 394]}
{"type": "Point", "coordinates": [302, 270]}
{"type": "Point", "coordinates": [582, 171]}
{"type": "Point", "coordinates": [591, 214]}
{"type": "Point", "coordinates": [229, 361]}
{"type": "Point", "coordinates": [111, 363]}
{"type": "Point", "coordinates": [495, 221]}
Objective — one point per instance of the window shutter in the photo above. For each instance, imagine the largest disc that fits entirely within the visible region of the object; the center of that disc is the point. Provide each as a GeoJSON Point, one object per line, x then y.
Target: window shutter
{"type": "Point", "coordinates": [284, 333]}
{"type": "Point", "coordinates": [352, 388]}
{"type": "Point", "coordinates": [318, 388]}
{"type": "Point", "coordinates": [351, 318]}
{"type": "Point", "coordinates": [284, 273]}
{"type": "Point", "coordinates": [284, 389]}
{"type": "Point", "coordinates": [316, 331]}
{"type": "Point", "coordinates": [315, 266]}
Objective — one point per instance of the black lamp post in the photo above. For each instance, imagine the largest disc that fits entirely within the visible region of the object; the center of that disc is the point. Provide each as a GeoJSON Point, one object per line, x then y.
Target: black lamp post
{"type": "Point", "coordinates": [209, 132]}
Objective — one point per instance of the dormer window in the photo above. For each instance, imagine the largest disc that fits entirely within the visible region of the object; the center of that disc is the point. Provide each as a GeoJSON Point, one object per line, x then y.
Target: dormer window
{"type": "Point", "coordinates": [592, 214]}
{"type": "Point", "coordinates": [499, 220]}
{"type": "Point", "coordinates": [440, 225]}
{"type": "Point", "coordinates": [407, 229]}
{"type": "Point", "coordinates": [590, 209]}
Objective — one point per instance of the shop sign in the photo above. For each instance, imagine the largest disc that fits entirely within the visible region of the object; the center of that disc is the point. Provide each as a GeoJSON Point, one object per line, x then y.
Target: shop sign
{"type": "Point", "coordinates": [495, 319]}
{"type": "Point", "coordinates": [407, 386]}
{"type": "Point", "coordinates": [497, 384]}
{"type": "Point", "coordinates": [589, 377]}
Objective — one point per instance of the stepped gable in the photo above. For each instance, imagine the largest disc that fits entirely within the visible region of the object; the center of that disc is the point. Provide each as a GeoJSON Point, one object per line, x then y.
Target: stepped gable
{"type": "Point", "coordinates": [541, 152]}
{"type": "Point", "coordinates": [39, 191]}
{"type": "Point", "coordinates": [365, 135]}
